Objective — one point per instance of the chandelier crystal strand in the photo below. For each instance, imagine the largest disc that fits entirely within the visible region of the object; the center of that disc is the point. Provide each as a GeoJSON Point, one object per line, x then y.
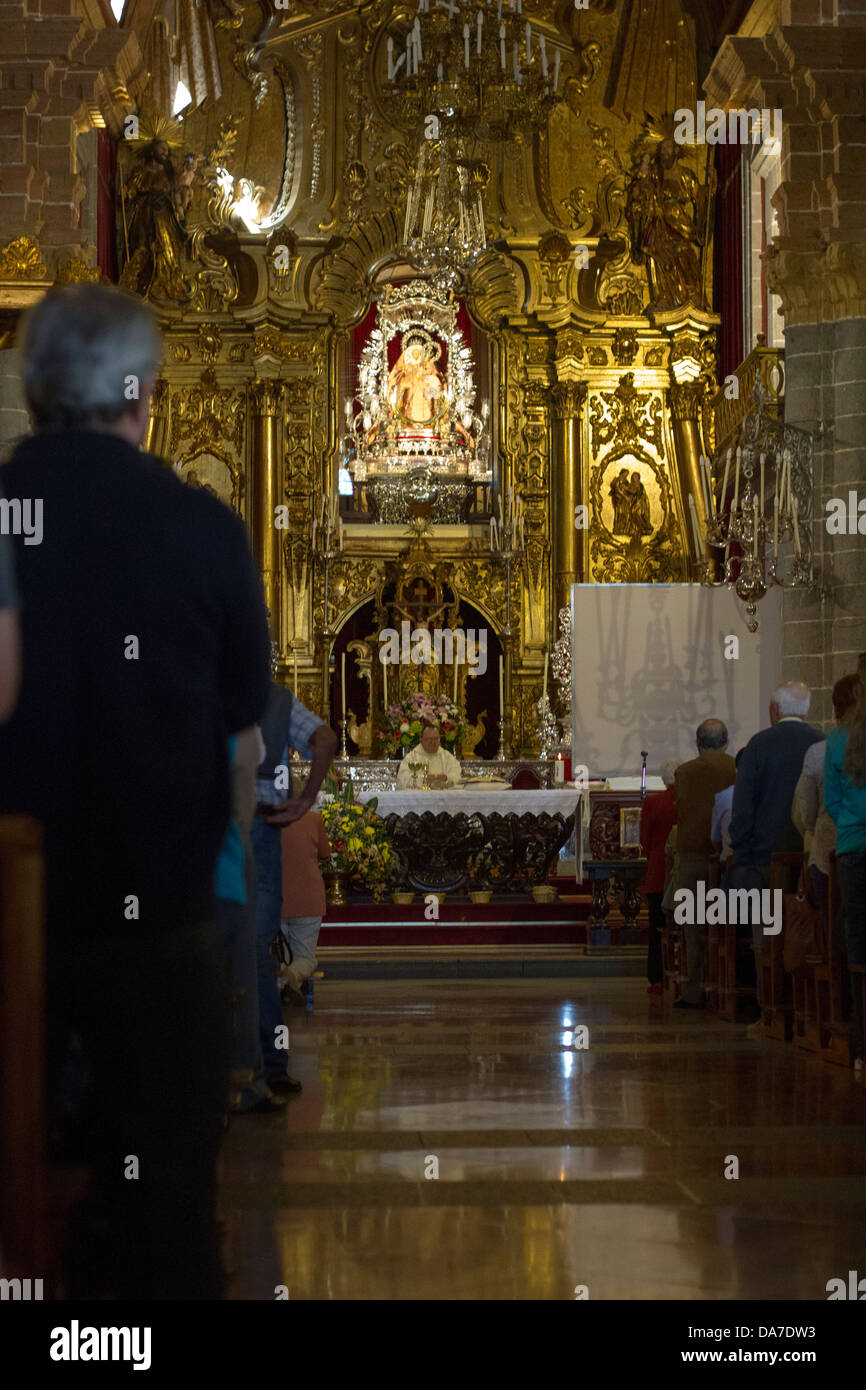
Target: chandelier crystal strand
{"type": "Point", "coordinates": [786, 451]}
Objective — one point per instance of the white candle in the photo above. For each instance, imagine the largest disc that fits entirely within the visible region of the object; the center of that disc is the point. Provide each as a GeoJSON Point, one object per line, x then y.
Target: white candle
{"type": "Point", "coordinates": [544, 692]}
{"type": "Point", "coordinates": [385, 680]}
{"type": "Point", "coordinates": [390, 59]}
{"type": "Point", "coordinates": [794, 513]}
{"type": "Point", "coordinates": [700, 550]}
{"type": "Point", "coordinates": [775, 528]}
{"type": "Point", "coordinates": [466, 45]}
{"type": "Point", "coordinates": [516, 69]}
{"type": "Point", "coordinates": [455, 682]}
{"type": "Point", "coordinates": [542, 43]}
{"type": "Point", "coordinates": [502, 45]}
{"type": "Point", "coordinates": [789, 479]}
{"type": "Point", "coordinates": [501, 692]}
{"type": "Point", "coordinates": [725, 482]}
{"type": "Point", "coordinates": [755, 527]}
{"type": "Point", "coordinates": [736, 486]}
{"type": "Point", "coordinates": [705, 492]}
{"type": "Point", "coordinates": [343, 712]}
{"type": "Point", "coordinates": [478, 44]}
{"type": "Point", "coordinates": [528, 42]}
{"type": "Point", "coordinates": [763, 456]}
{"type": "Point", "coordinates": [556, 72]}
{"type": "Point", "coordinates": [295, 664]}
{"type": "Point", "coordinates": [559, 770]}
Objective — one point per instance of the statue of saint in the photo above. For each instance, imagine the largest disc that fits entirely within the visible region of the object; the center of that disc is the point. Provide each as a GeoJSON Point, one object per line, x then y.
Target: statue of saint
{"type": "Point", "coordinates": [156, 200]}
{"type": "Point", "coordinates": [665, 209]}
{"type": "Point", "coordinates": [414, 383]}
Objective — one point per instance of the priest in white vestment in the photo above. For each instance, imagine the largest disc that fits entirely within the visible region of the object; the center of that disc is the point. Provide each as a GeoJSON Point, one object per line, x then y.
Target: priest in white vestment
{"type": "Point", "coordinates": [443, 769]}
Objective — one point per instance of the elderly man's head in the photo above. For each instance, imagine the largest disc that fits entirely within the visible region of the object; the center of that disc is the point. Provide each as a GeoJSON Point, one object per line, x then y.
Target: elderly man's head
{"type": "Point", "coordinates": [430, 738]}
{"type": "Point", "coordinates": [711, 736]}
{"type": "Point", "coordinates": [90, 359]}
{"type": "Point", "coordinates": [789, 700]}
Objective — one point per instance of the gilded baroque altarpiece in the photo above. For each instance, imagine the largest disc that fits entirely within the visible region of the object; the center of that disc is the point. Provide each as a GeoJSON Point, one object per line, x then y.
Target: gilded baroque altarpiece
{"type": "Point", "coordinates": [263, 229]}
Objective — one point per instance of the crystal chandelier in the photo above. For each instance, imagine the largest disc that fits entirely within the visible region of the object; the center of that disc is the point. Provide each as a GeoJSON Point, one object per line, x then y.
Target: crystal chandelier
{"type": "Point", "coordinates": [444, 227]}
{"type": "Point", "coordinates": [766, 451]}
{"type": "Point", "coordinates": [478, 67]}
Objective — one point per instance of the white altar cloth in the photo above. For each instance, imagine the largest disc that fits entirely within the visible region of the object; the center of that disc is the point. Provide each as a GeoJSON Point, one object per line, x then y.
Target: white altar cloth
{"type": "Point", "coordinates": [472, 801]}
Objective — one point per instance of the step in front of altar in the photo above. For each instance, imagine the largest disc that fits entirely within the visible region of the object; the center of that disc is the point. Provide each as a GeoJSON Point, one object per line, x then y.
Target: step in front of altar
{"type": "Point", "coordinates": [511, 921]}
{"type": "Point", "coordinates": [467, 962]}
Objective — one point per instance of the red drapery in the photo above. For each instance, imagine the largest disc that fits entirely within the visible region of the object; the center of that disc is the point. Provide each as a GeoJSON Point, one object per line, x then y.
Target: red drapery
{"type": "Point", "coordinates": [728, 258]}
{"type": "Point", "coordinates": [106, 223]}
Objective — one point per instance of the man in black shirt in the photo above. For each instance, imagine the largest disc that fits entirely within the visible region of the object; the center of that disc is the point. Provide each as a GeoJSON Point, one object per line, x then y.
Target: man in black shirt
{"type": "Point", "coordinates": [144, 645]}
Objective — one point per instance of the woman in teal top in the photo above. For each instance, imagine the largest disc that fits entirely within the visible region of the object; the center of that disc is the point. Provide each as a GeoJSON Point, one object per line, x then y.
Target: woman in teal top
{"type": "Point", "coordinates": [845, 801]}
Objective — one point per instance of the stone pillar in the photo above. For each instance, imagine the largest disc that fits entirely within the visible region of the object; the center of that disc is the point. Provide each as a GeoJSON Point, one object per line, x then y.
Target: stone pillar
{"type": "Point", "coordinates": [267, 399]}
{"type": "Point", "coordinates": [567, 542]}
{"type": "Point", "coordinates": [14, 420]}
{"type": "Point", "coordinates": [811, 66]}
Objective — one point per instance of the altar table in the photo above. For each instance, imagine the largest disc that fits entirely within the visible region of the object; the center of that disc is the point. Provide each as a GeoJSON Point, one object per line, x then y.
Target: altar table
{"type": "Point", "coordinates": [509, 838]}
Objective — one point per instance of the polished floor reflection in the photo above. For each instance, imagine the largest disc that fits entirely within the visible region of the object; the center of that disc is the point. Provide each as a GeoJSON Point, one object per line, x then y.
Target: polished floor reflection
{"type": "Point", "coordinates": [457, 1140]}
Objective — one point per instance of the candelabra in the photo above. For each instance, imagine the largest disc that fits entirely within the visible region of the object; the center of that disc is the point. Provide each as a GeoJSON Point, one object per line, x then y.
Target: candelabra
{"type": "Point", "coordinates": [507, 544]}
{"type": "Point", "coordinates": [765, 450]}
{"type": "Point", "coordinates": [327, 545]}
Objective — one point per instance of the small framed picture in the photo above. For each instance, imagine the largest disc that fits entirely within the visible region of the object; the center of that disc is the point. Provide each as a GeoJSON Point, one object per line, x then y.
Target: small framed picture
{"type": "Point", "coordinates": [629, 829]}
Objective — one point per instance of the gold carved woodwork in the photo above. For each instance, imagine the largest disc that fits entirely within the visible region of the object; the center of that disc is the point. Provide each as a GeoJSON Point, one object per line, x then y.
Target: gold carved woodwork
{"type": "Point", "coordinates": [568, 399]}
{"type": "Point", "coordinates": [626, 415]}
{"type": "Point", "coordinates": [206, 415]}
{"type": "Point", "coordinates": [266, 397]}
{"type": "Point", "coordinates": [686, 400]}
{"type": "Point", "coordinates": [74, 271]}
{"type": "Point", "coordinates": [624, 347]}
{"type": "Point", "coordinates": [554, 259]}
{"type": "Point", "coordinates": [21, 259]}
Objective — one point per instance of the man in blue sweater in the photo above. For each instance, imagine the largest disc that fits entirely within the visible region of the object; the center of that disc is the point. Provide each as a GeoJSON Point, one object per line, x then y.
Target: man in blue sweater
{"type": "Point", "coordinates": [768, 773]}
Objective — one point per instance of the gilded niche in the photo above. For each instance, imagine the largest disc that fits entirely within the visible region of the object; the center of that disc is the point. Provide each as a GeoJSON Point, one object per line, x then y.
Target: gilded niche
{"type": "Point", "coordinates": [634, 532]}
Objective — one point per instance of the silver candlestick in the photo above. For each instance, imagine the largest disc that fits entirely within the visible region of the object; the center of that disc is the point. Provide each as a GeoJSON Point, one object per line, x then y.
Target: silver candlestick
{"type": "Point", "coordinates": [344, 752]}
{"type": "Point", "coordinates": [548, 730]}
{"type": "Point", "coordinates": [500, 756]}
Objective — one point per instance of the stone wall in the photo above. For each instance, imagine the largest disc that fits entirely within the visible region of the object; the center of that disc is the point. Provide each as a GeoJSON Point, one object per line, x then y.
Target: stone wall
{"type": "Point", "coordinates": [814, 69]}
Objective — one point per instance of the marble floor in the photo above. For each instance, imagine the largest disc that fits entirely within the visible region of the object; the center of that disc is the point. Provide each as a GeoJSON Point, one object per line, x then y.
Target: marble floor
{"type": "Point", "coordinates": [467, 1140]}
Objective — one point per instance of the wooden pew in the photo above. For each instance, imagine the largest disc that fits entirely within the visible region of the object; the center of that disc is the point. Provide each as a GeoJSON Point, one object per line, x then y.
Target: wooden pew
{"type": "Point", "coordinates": [777, 1002]}
{"type": "Point", "coordinates": [832, 983]}
{"type": "Point", "coordinates": [713, 982]}
{"type": "Point", "coordinates": [23, 1214]}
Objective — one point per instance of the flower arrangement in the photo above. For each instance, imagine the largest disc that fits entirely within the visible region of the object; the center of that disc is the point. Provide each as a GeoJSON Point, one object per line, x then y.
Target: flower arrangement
{"type": "Point", "coordinates": [360, 844]}
{"type": "Point", "coordinates": [403, 722]}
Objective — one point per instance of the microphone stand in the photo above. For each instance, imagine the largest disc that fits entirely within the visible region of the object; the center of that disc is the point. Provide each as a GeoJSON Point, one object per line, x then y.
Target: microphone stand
{"type": "Point", "coordinates": [644, 756]}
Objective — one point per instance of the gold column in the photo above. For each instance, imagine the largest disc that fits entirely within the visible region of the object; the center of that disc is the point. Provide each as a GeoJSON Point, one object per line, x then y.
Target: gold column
{"type": "Point", "coordinates": [567, 542]}
{"type": "Point", "coordinates": [685, 405]}
{"type": "Point", "coordinates": [157, 439]}
{"type": "Point", "coordinates": [266, 399]}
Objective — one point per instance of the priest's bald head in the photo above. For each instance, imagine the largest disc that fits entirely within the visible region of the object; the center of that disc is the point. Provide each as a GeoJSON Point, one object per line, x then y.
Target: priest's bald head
{"type": "Point", "coordinates": [90, 359]}
{"type": "Point", "coordinates": [711, 736]}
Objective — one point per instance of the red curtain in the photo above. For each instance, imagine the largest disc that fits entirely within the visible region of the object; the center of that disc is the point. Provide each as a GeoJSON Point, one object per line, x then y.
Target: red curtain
{"type": "Point", "coordinates": [728, 258]}
{"type": "Point", "coordinates": [106, 221]}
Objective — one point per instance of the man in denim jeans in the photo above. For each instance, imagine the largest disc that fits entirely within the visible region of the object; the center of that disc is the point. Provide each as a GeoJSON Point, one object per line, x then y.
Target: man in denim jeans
{"type": "Point", "coordinates": [287, 724]}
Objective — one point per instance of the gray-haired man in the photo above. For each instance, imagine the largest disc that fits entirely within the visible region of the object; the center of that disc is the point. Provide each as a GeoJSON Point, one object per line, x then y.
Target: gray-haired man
{"type": "Point", "coordinates": [144, 646]}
